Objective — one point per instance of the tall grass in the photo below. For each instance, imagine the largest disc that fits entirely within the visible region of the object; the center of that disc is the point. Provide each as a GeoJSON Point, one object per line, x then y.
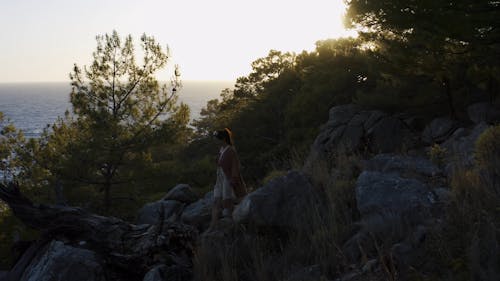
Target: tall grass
{"type": "Point", "coordinates": [238, 252]}
{"type": "Point", "coordinates": [466, 246]}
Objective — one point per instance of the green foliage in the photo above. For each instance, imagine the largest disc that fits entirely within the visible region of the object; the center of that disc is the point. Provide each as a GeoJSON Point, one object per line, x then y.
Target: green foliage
{"type": "Point", "coordinates": [11, 230]}
{"type": "Point", "coordinates": [487, 150]}
{"type": "Point", "coordinates": [437, 154]}
{"type": "Point", "coordinates": [119, 106]}
{"type": "Point", "coordinates": [487, 156]}
{"type": "Point", "coordinates": [444, 42]}
{"type": "Point", "coordinates": [103, 152]}
{"type": "Point", "coordinates": [10, 139]}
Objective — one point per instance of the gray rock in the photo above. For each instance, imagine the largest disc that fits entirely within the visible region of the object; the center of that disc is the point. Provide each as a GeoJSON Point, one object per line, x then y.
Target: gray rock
{"type": "Point", "coordinates": [342, 114]}
{"type": "Point", "coordinates": [3, 274]}
{"type": "Point", "coordinates": [151, 212]}
{"type": "Point", "coordinates": [157, 273]}
{"type": "Point", "coordinates": [395, 195]}
{"type": "Point", "coordinates": [460, 148]}
{"type": "Point", "coordinates": [199, 213]}
{"type": "Point", "coordinates": [483, 112]}
{"type": "Point", "coordinates": [350, 129]}
{"type": "Point", "coordinates": [389, 134]}
{"type": "Point", "coordinates": [182, 193]}
{"type": "Point", "coordinates": [309, 273]}
{"type": "Point", "coordinates": [438, 130]}
{"type": "Point", "coordinates": [279, 203]}
{"type": "Point", "coordinates": [61, 262]}
{"type": "Point", "coordinates": [353, 134]}
{"type": "Point", "coordinates": [374, 118]}
{"type": "Point", "coordinates": [381, 192]}
{"type": "Point", "coordinates": [402, 165]}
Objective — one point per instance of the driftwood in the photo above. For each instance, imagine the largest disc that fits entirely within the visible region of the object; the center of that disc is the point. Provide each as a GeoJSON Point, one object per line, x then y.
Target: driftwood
{"type": "Point", "coordinates": [126, 248]}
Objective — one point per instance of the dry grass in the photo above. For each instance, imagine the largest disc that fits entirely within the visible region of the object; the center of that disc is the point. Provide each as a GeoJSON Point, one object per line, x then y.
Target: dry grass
{"type": "Point", "coordinates": [466, 246]}
{"type": "Point", "coordinates": [275, 254]}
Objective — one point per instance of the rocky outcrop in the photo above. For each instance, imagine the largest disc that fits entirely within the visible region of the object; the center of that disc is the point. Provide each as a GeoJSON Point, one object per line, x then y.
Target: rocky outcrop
{"type": "Point", "coordinates": [351, 129]}
{"type": "Point", "coordinates": [60, 262]}
{"type": "Point", "coordinates": [280, 203]}
{"type": "Point", "coordinates": [121, 249]}
{"type": "Point", "coordinates": [395, 195]}
{"type": "Point", "coordinates": [459, 147]}
{"type": "Point", "coordinates": [166, 210]}
{"type": "Point", "coordinates": [181, 193]}
{"type": "Point", "coordinates": [180, 205]}
{"type": "Point", "coordinates": [438, 130]}
{"type": "Point", "coordinates": [483, 112]}
{"type": "Point", "coordinates": [198, 214]}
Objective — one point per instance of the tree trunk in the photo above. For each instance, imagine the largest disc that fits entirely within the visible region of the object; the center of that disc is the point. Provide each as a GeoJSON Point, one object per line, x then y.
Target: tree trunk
{"type": "Point", "coordinates": [131, 249]}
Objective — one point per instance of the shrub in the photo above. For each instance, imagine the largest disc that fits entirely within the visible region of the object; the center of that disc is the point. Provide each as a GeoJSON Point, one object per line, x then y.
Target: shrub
{"type": "Point", "coordinates": [487, 157]}
{"type": "Point", "coordinates": [437, 154]}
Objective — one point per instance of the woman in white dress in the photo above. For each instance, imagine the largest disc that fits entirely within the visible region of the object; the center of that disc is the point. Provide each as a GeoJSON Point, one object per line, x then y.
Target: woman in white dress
{"type": "Point", "coordinates": [229, 185]}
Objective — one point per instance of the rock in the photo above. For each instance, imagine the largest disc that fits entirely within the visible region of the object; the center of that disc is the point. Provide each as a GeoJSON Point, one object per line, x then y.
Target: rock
{"type": "Point", "coordinates": [378, 139]}
{"type": "Point", "coordinates": [395, 195]}
{"type": "Point", "coordinates": [199, 213]}
{"type": "Point", "coordinates": [460, 148]}
{"type": "Point", "coordinates": [157, 273]}
{"type": "Point", "coordinates": [182, 193]}
{"type": "Point", "coordinates": [402, 165]}
{"type": "Point", "coordinates": [342, 114]}
{"type": "Point", "coordinates": [483, 112]}
{"type": "Point", "coordinates": [384, 192]}
{"type": "Point", "coordinates": [60, 262]}
{"type": "Point", "coordinates": [151, 212]}
{"type": "Point", "coordinates": [3, 274]}
{"type": "Point", "coordinates": [162, 272]}
{"type": "Point", "coordinates": [438, 130]}
{"type": "Point", "coordinates": [309, 273]}
{"type": "Point", "coordinates": [350, 129]}
{"type": "Point", "coordinates": [410, 251]}
{"type": "Point", "coordinates": [374, 118]}
{"type": "Point", "coordinates": [279, 203]}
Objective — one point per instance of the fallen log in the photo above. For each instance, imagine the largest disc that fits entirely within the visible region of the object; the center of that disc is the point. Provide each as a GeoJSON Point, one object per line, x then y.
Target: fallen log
{"type": "Point", "coordinates": [131, 249]}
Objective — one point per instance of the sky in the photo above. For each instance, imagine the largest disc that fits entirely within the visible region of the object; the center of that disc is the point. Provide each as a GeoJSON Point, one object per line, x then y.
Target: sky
{"type": "Point", "coordinates": [208, 39]}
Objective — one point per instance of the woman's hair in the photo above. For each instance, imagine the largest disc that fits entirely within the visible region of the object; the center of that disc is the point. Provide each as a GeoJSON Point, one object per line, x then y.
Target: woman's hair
{"type": "Point", "coordinates": [225, 135]}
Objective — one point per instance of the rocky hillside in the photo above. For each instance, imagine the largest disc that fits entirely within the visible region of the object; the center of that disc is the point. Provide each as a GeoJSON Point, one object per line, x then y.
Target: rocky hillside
{"type": "Point", "coordinates": [396, 183]}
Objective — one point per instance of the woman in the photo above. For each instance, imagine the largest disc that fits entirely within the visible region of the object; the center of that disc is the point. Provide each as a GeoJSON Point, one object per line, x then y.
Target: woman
{"type": "Point", "coordinates": [229, 186]}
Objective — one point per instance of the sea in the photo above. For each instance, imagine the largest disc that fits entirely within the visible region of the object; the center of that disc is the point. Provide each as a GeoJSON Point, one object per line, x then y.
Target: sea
{"type": "Point", "coordinates": [33, 106]}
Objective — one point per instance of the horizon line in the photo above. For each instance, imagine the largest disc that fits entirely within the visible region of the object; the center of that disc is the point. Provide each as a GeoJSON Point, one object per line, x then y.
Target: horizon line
{"type": "Point", "coordinates": [60, 81]}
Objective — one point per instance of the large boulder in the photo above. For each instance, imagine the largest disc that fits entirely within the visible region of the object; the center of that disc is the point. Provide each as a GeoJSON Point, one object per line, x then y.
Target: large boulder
{"type": "Point", "coordinates": [157, 273]}
{"type": "Point", "coordinates": [378, 192]}
{"type": "Point", "coordinates": [377, 135]}
{"type": "Point", "coordinates": [350, 129]}
{"type": "Point", "coordinates": [182, 193]}
{"type": "Point", "coordinates": [151, 213]}
{"type": "Point", "coordinates": [483, 112]}
{"type": "Point", "coordinates": [402, 165]}
{"type": "Point", "coordinates": [439, 130]}
{"type": "Point", "coordinates": [460, 147]}
{"type": "Point", "coordinates": [281, 203]}
{"type": "Point", "coordinates": [395, 195]}
{"type": "Point", "coordinates": [60, 262]}
{"type": "Point", "coordinates": [199, 213]}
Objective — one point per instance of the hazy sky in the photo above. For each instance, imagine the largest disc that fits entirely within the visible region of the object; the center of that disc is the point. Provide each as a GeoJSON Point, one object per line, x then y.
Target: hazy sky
{"type": "Point", "coordinates": [209, 39]}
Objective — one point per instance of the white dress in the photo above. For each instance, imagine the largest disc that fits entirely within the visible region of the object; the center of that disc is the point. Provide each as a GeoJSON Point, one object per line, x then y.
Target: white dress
{"type": "Point", "coordinates": [222, 188]}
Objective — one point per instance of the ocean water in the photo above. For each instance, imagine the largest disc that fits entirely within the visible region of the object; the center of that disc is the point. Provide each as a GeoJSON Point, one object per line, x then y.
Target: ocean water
{"type": "Point", "coordinates": [33, 106]}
